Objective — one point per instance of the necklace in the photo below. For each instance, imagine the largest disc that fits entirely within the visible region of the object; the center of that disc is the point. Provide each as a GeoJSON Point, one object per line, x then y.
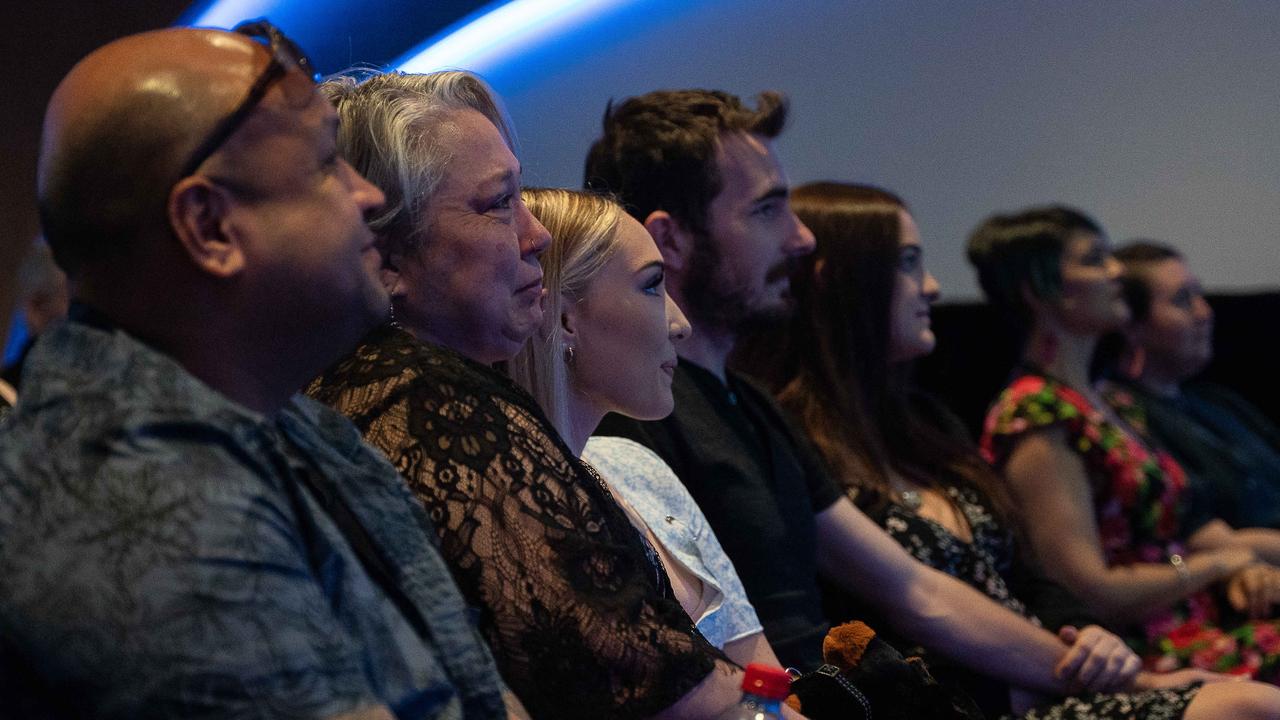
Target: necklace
{"type": "Point", "coordinates": [911, 499]}
{"type": "Point", "coordinates": [908, 497]}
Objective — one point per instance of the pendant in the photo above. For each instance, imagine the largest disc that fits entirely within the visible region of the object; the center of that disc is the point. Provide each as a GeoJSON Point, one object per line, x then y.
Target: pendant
{"type": "Point", "coordinates": [911, 500]}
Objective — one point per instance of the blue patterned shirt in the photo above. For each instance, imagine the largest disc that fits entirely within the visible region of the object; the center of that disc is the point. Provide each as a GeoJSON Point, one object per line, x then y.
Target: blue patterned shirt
{"type": "Point", "coordinates": [165, 552]}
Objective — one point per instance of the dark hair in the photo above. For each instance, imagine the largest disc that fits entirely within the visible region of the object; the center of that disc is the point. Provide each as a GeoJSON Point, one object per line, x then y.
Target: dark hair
{"type": "Point", "coordinates": [834, 374]}
{"type": "Point", "coordinates": [1137, 256]}
{"type": "Point", "coordinates": [658, 150]}
{"type": "Point", "coordinates": [1023, 251]}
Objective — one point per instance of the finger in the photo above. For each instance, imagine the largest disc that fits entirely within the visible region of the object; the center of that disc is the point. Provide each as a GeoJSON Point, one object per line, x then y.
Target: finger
{"type": "Point", "coordinates": [1129, 671]}
{"type": "Point", "coordinates": [1069, 665]}
{"type": "Point", "coordinates": [1273, 593]}
{"type": "Point", "coordinates": [1127, 667]}
{"type": "Point", "coordinates": [1113, 673]}
{"type": "Point", "coordinates": [1091, 670]}
{"type": "Point", "coordinates": [1094, 665]}
{"type": "Point", "coordinates": [1068, 634]}
{"type": "Point", "coordinates": [1108, 671]}
{"type": "Point", "coordinates": [1085, 641]}
{"type": "Point", "coordinates": [1235, 595]}
{"type": "Point", "coordinates": [1257, 593]}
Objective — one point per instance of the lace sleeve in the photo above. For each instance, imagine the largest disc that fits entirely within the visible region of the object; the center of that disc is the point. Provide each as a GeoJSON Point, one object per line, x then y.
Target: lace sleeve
{"type": "Point", "coordinates": [580, 624]}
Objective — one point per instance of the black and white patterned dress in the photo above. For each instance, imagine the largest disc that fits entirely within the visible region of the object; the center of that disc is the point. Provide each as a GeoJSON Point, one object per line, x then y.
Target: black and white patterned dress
{"type": "Point", "coordinates": [985, 563]}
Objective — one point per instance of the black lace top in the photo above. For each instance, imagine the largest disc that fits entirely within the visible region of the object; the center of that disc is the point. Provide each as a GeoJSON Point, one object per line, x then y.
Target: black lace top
{"type": "Point", "coordinates": [580, 624]}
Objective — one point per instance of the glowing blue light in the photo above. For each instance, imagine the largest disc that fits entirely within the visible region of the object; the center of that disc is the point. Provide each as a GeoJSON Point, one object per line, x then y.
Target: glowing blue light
{"type": "Point", "coordinates": [491, 36]}
{"type": "Point", "coordinates": [227, 13]}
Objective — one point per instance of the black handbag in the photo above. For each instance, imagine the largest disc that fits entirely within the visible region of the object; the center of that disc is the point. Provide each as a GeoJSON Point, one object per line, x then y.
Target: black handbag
{"type": "Point", "coordinates": [826, 693]}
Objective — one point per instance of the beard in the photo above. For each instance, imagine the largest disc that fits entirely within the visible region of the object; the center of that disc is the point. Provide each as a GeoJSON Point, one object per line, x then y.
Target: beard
{"type": "Point", "coordinates": [719, 300]}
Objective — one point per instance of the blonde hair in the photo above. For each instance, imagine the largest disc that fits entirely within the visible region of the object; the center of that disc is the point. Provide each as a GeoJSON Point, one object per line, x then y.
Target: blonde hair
{"type": "Point", "coordinates": [584, 236]}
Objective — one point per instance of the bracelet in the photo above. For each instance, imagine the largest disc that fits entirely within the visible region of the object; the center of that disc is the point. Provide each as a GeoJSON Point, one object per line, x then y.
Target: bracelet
{"type": "Point", "coordinates": [1179, 565]}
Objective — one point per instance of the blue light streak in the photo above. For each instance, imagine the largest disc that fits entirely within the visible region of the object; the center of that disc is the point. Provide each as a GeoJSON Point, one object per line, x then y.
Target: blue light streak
{"type": "Point", "coordinates": [227, 13]}
{"type": "Point", "coordinates": [500, 32]}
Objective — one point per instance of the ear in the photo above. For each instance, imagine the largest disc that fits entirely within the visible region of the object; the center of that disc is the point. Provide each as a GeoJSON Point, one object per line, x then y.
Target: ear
{"type": "Point", "coordinates": [674, 241]}
{"type": "Point", "coordinates": [392, 280]}
{"type": "Point", "coordinates": [569, 311]}
{"type": "Point", "coordinates": [200, 215]}
{"type": "Point", "coordinates": [1033, 301]}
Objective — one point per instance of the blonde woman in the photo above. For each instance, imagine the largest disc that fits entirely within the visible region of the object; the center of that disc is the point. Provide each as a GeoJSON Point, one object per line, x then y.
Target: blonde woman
{"type": "Point", "coordinates": [607, 344]}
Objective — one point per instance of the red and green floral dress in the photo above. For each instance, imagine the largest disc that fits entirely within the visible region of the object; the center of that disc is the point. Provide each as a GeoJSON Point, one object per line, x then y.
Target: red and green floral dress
{"type": "Point", "coordinates": [1139, 499]}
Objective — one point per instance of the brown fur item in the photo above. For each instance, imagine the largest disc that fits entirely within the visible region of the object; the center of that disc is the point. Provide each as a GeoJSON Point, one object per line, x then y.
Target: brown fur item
{"type": "Point", "coordinates": [844, 644]}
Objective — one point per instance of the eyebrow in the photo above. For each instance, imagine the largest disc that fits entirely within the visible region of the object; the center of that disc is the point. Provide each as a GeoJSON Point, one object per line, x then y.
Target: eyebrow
{"type": "Point", "coordinates": [651, 264]}
{"type": "Point", "coordinates": [773, 193]}
{"type": "Point", "coordinates": [502, 177]}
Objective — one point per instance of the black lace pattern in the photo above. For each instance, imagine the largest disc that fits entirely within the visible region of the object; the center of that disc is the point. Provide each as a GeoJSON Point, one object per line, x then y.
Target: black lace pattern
{"type": "Point", "coordinates": [579, 622]}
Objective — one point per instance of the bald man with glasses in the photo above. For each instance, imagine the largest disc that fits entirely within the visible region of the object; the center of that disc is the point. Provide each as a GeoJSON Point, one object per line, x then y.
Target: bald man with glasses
{"type": "Point", "coordinates": [181, 534]}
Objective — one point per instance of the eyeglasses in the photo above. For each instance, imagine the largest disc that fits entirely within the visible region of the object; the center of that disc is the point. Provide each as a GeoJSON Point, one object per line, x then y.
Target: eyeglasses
{"type": "Point", "coordinates": [298, 87]}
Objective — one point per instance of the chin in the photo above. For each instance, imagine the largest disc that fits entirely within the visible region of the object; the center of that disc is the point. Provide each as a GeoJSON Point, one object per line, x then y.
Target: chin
{"type": "Point", "coordinates": [1122, 312]}
{"type": "Point", "coordinates": [517, 334]}
{"type": "Point", "coordinates": [662, 406]}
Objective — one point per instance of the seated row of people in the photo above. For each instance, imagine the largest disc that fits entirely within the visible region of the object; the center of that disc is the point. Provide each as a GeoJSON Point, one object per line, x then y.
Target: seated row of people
{"type": "Point", "coordinates": [180, 533]}
{"type": "Point", "coordinates": [1229, 448]}
{"type": "Point", "coordinates": [1120, 534]}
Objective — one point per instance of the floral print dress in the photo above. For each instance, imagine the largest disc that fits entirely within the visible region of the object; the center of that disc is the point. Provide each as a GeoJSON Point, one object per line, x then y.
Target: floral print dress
{"type": "Point", "coordinates": [1140, 501]}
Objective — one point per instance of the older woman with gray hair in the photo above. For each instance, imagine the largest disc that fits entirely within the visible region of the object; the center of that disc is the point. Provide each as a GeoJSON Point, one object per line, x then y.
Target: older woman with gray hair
{"type": "Point", "coordinates": [575, 605]}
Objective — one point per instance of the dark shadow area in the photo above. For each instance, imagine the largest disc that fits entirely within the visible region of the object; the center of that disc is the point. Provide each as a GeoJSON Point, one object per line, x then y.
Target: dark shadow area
{"type": "Point", "coordinates": [977, 351]}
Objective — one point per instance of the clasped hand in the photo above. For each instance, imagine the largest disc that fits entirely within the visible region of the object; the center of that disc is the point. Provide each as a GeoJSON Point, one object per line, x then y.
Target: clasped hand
{"type": "Point", "coordinates": [1097, 660]}
{"type": "Point", "coordinates": [1254, 590]}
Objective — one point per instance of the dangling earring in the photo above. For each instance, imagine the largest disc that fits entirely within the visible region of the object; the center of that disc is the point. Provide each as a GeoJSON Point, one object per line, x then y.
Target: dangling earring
{"type": "Point", "coordinates": [1134, 362]}
{"type": "Point", "coordinates": [568, 355]}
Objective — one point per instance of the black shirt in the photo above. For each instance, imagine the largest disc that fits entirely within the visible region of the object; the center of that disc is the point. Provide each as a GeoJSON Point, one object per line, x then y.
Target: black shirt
{"type": "Point", "coordinates": [1229, 449]}
{"type": "Point", "coordinates": [760, 485]}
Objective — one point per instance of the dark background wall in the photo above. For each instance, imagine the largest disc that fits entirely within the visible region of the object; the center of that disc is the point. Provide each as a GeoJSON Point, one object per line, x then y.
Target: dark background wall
{"type": "Point", "coordinates": [976, 353]}
{"type": "Point", "coordinates": [42, 41]}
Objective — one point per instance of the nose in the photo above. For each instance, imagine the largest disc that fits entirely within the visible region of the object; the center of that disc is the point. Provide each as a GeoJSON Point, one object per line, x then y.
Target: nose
{"type": "Point", "coordinates": [931, 289]}
{"type": "Point", "coordinates": [367, 195]}
{"type": "Point", "coordinates": [1114, 268]}
{"type": "Point", "coordinates": [678, 327]}
{"type": "Point", "coordinates": [800, 240]}
{"type": "Point", "coordinates": [534, 238]}
{"type": "Point", "coordinates": [1202, 309]}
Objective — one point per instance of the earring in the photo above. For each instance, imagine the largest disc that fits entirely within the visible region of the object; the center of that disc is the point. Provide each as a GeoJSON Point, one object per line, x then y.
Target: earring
{"type": "Point", "coordinates": [1134, 363]}
{"type": "Point", "coordinates": [568, 355]}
